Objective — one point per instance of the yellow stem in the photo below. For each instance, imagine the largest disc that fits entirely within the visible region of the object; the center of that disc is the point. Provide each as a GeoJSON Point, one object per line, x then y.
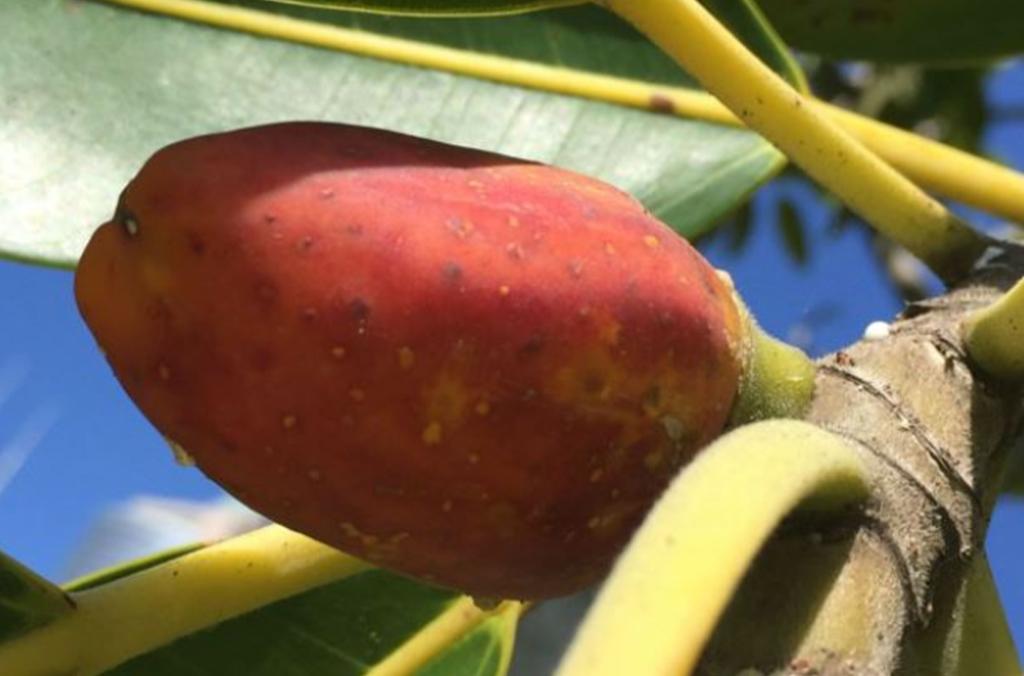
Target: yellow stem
{"type": "Point", "coordinates": [979, 638]}
{"type": "Point", "coordinates": [766, 103]}
{"type": "Point", "coordinates": [994, 336]}
{"type": "Point", "coordinates": [130, 616]}
{"type": "Point", "coordinates": [662, 601]}
{"type": "Point", "coordinates": [445, 630]}
{"type": "Point", "coordinates": [944, 170]}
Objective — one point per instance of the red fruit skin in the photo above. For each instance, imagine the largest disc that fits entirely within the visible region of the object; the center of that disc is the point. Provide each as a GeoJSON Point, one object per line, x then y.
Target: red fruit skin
{"type": "Point", "coordinates": [468, 368]}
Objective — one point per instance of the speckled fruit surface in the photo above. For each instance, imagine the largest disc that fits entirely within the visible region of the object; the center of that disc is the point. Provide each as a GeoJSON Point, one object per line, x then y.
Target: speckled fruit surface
{"type": "Point", "coordinates": [469, 368]}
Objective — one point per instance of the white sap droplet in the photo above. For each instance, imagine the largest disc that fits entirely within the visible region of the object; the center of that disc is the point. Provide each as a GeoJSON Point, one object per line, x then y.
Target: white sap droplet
{"type": "Point", "coordinates": [876, 331]}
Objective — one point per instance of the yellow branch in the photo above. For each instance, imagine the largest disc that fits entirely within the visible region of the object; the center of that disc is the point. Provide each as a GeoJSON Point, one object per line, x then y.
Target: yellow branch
{"type": "Point", "coordinates": [452, 625]}
{"type": "Point", "coordinates": [766, 103]}
{"type": "Point", "coordinates": [977, 638]}
{"type": "Point", "coordinates": [944, 170]}
{"type": "Point", "coordinates": [125, 618]}
{"type": "Point", "coordinates": [994, 336]}
{"type": "Point", "coordinates": [662, 601]}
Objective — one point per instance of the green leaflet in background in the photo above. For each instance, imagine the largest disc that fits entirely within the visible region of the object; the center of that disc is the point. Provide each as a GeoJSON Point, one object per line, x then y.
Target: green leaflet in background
{"type": "Point", "coordinates": [27, 601]}
{"type": "Point", "coordinates": [749, 24]}
{"type": "Point", "coordinates": [91, 90]}
{"type": "Point", "coordinates": [101, 577]}
{"type": "Point", "coordinates": [485, 651]}
{"type": "Point", "coordinates": [913, 31]}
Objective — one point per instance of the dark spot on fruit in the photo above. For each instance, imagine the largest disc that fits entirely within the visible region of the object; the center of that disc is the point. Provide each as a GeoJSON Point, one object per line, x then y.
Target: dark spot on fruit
{"type": "Point", "coordinates": [305, 244]}
{"type": "Point", "coordinates": [652, 397]}
{"type": "Point", "coordinates": [128, 222]}
{"type": "Point", "coordinates": [269, 219]}
{"type": "Point", "coordinates": [532, 346]}
{"type": "Point", "coordinates": [354, 230]}
{"type": "Point", "coordinates": [452, 272]}
{"type": "Point", "coordinates": [309, 314]}
{"type": "Point", "coordinates": [195, 243]}
{"type": "Point", "coordinates": [593, 383]}
{"type": "Point", "coordinates": [660, 103]}
{"type": "Point", "coordinates": [266, 292]}
{"type": "Point", "coordinates": [125, 217]}
{"type": "Point", "coordinates": [262, 359]}
{"type": "Point", "coordinates": [359, 309]}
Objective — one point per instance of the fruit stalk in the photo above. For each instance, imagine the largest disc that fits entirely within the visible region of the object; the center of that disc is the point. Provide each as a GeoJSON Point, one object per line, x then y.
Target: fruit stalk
{"type": "Point", "coordinates": [994, 336]}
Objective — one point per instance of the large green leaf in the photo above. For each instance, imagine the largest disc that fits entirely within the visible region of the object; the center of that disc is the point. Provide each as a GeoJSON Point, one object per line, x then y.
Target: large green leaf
{"type": "Point", "coordinates": [485, 651]}
{"type": "Point", "coordinates": [442, 7]}
{"type": "Point", "coordinates": [342, 629]}
{"type": "Point", "coordinates": [743, 17]}
{"type": "Point", "coordinates": [360, 620]}
{"type": "Point", "coordinates": [91, 90]}
{"type": "Point", "coordinates": [925, 31]}
{"type": "Point", "coordinates": [27, 601]}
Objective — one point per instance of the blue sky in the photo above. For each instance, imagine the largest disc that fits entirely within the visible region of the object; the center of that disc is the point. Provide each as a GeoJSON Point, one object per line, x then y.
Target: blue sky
{"type": "Point", "coordinates": [90, 448]}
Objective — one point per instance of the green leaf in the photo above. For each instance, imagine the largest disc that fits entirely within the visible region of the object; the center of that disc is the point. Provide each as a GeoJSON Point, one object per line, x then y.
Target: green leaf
{"type": "Point", "coordinates": [920, 31]}
{"type": "Point", "coordinates": [485, 651]}
{"type": "Point", "coordinates": [27, 601]}
{"type": "Point", "coordinates": [747, 22]}
{"type": "Point", "coordinates": [742, 17]}
{"type": "Point", "coordinates": [791, 228]}
{"type": "Point", "coordinates": [441, 7]}
{"type": "Point", "coordinates": [341, 629]}
{"type": "Point", "coordinates": [91, 90]}
{"type": "Point", "coordinates": [101, 577]}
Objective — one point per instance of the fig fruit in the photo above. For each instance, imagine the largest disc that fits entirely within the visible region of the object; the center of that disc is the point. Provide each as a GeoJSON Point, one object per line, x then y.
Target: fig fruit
{"type": "Point", "coordinates": [476, 370]}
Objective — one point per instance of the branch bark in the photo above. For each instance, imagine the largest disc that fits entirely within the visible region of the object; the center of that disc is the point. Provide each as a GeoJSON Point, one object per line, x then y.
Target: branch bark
{"type": "Point", "coordinates": [857, 594]}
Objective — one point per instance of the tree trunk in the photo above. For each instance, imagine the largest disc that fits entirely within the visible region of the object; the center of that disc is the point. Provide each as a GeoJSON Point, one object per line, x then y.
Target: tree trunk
{"type": "Point", "coordinates": [878, 591]}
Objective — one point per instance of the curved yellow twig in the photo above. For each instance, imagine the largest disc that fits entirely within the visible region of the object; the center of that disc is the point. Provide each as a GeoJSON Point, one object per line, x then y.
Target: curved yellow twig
{"type": "Point", "coordinates": [978, 640]}
{"type": "Point", "coordinates": [769, 105]}
{"type": "Point", "coordinates": [445, 630]}
{"type": "Point", "coordinates": [119, 620]}
{"type": "Point", "coordinates": [994, 336]}
{"type": "Point", "coordinates": [942, 169]}
{"type": "Point", "coordinates": [668, 590]}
